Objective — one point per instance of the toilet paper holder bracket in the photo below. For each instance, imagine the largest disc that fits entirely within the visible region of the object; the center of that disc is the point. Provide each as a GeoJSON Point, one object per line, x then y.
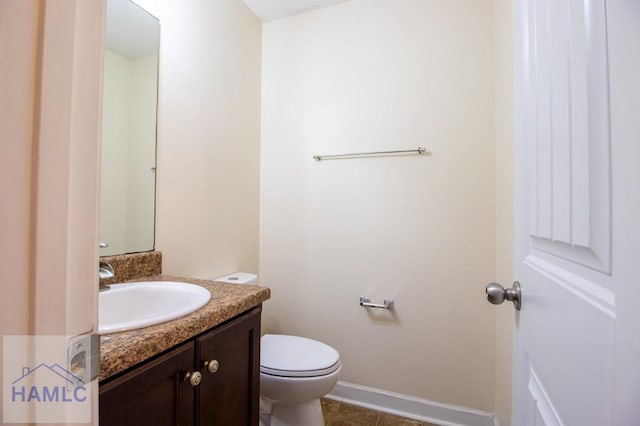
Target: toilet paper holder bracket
{"type": "Point", "coordinates": [366, 302]}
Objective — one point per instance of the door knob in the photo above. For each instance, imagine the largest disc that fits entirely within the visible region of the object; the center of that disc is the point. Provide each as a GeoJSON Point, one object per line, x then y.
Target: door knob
{"type": "Point", "coordinates": [497, 294]}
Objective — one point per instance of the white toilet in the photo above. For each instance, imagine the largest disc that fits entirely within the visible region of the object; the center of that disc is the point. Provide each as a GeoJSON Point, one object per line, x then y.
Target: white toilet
{"type": "Point", "coordinates": [295, 372]}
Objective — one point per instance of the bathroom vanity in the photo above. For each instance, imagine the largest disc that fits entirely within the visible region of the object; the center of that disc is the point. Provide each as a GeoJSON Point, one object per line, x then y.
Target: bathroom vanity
{"type": "Point", "coordinates": [202, 369]}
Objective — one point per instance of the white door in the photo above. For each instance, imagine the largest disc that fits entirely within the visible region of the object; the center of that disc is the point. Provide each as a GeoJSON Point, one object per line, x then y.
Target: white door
{"type": "Point", "coordinates": [577, 246]}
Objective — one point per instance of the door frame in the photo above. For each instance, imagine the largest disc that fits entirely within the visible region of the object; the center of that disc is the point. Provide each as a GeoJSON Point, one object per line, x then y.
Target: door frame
{"type": "Point", "coordinates": [52, 56]}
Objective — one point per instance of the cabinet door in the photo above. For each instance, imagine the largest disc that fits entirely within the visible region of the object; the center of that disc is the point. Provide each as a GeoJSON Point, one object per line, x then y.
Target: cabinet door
{"type": "Point", "coordinates": [230, 395]}
{"type": "Point", "coordinates": [152, 394]}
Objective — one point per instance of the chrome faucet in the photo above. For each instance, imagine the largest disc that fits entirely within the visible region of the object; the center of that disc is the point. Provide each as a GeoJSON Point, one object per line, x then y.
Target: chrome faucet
{"type": "Point", "coordinates": [105, 271]}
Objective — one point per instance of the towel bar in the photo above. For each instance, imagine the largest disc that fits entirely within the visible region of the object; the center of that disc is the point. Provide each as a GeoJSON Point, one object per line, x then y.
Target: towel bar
{"type": "Point", "coordinates": [419, 150]}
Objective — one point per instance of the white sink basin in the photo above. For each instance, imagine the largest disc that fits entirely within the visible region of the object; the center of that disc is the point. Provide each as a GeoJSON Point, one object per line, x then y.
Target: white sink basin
{"type": "Point", "coordinates": [141, 304]}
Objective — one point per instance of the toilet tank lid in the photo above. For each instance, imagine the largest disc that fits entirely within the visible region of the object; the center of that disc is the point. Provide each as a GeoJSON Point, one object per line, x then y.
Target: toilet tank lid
{"type": "Point", "coordinates": [295, 354]}
{"type": "Point", "coordinates": [238, 278]}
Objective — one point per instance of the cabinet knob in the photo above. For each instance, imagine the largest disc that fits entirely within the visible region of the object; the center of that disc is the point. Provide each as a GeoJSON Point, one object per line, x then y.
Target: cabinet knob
{"type": "Point", "coordinates": [212, 366]}
{"type": "Point", "coordinates": [194, 378]}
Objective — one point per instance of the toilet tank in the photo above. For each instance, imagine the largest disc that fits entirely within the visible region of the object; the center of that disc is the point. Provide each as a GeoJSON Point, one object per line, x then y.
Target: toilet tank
{"type": "Point", "coordinates": [238, 278]}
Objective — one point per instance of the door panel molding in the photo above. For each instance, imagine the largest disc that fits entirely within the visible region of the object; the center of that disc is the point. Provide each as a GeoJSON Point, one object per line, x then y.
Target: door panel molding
{"type": "Point", "coordinates": [566, 113]}
{"type": "Point", "coordinates": [594, 294]}
{"type": "Point", "coordinates": [543, 413]}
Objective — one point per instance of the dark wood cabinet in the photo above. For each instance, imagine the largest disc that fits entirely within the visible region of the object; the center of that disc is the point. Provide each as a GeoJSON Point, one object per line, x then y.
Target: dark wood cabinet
{"type": "Point", "coordinates": [230, 395]}
{"type": "Point", "coordinates": [152, 394]}
{"type": "Point", "coordinates": [157, 393]}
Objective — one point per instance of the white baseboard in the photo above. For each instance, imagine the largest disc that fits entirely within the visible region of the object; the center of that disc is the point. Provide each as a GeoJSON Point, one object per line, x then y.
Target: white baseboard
{"type": "Point", "coordinates": [410, 407]}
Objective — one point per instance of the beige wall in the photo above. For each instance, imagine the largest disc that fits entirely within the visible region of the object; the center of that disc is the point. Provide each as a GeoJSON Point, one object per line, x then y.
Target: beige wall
{"type": "Point", "coordinates": [503, 107]}
{"type": "Point", "coordinates": [208, 138]}
{"type": "Point", "coordinates": [369, 75]}
{"type": "Point", "coordinates": [344, 102]}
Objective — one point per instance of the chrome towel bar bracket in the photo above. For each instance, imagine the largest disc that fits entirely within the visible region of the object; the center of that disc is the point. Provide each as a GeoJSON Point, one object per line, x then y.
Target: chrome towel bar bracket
{"type": "Point", "coordinates": [388, 303]}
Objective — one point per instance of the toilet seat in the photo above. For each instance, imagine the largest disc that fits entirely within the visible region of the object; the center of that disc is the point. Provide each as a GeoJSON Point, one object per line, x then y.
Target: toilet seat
{"type": "Point", "coordinates": [294, 356]}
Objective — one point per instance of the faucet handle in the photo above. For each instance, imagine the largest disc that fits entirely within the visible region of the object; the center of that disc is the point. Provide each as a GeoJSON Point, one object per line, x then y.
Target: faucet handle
{"type": "Point", "coordinates": [103, 245]}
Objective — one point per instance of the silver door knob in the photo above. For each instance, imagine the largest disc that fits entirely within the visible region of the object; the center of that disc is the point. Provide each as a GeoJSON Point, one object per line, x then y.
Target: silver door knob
{"type": "Point", "coordinates": [497, 294]}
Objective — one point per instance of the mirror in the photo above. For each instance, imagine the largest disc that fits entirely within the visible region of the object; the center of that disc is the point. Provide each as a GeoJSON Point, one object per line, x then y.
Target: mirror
{"type": "Point", "coordinates": [128, 163]}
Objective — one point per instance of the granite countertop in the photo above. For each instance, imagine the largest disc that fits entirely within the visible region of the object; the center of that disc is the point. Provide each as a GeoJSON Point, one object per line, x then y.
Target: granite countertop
{"type": "Point", "coordinates": [119, 351]}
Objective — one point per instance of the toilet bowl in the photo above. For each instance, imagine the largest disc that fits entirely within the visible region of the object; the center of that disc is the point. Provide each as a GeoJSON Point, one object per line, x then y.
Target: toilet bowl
{"type": "Point", "coordinates": [294, 373]}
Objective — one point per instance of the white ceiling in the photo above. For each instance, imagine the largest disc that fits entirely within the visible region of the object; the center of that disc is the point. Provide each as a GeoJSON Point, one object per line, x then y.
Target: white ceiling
{"type": "Point", "coordinates": [268, 10]}
{"type": "Point", "coordinates": [131, 31]}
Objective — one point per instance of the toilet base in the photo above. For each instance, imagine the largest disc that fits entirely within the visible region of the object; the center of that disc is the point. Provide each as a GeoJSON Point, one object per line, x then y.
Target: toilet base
{"type": "Point", "coordinates": [305, 413]}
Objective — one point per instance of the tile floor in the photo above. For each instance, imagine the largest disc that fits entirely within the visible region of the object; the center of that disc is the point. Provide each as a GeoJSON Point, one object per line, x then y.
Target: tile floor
{"type": "Point", "coordinates": [339, 414]}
